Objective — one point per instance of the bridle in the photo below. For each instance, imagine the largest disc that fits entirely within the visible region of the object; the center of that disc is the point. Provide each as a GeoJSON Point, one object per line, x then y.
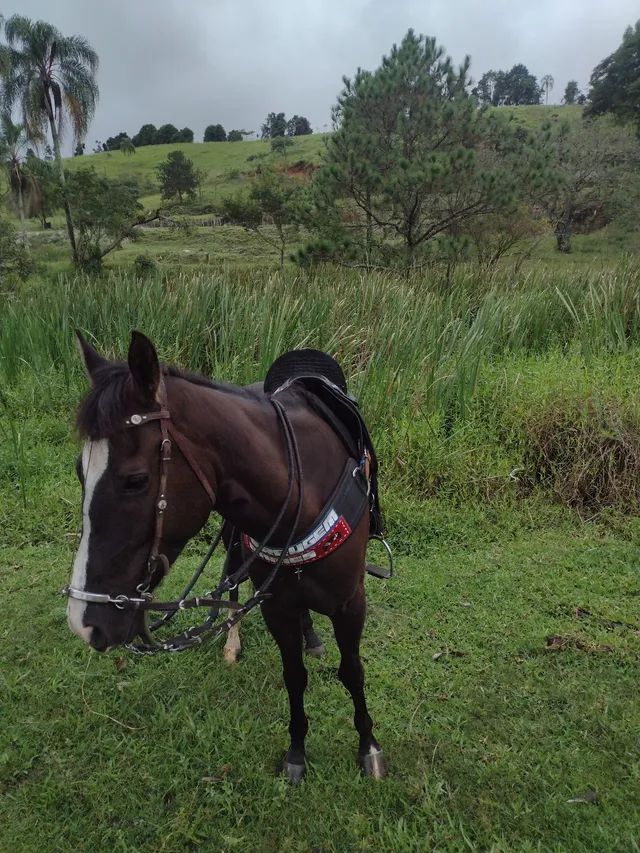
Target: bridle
{"type": "Point", "coordinates": [158, 563]}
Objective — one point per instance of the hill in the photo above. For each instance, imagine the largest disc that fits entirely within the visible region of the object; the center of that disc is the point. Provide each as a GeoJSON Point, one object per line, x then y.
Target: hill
{"type": "Point", "coordinates": [224, 164]}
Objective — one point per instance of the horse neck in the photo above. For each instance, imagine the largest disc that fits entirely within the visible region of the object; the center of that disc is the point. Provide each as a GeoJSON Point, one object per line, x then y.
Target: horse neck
{"type": "Point", "coordinates": [237, 442]}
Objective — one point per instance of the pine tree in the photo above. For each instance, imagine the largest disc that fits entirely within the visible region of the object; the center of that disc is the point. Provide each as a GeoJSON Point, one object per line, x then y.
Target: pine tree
{"type": "Point", "coordinates": [412, 159]}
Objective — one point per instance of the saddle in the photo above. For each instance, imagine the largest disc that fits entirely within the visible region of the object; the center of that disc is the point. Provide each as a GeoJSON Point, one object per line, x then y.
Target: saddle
{"type": "Point", "coordinates": [320, 380]}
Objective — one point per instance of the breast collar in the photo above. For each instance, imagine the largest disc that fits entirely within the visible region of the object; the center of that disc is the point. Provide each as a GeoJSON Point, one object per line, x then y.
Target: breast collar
{"type": "Point", "coordinates": [335, 523]}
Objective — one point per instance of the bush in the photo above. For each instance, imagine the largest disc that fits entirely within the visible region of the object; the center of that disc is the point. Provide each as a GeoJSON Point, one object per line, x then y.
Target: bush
{"type": "Point", "coordinates": [587, 452]}
{"type": "Point", "coordinates": [16, 263]}
{"type": "Point", "coordinates": [144, 266]}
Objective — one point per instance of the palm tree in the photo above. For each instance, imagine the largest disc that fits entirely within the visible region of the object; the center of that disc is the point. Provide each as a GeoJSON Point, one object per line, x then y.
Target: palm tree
{"type": "Point", "coordinates": [51, 78]}
{"type": "Point", "coordinates": [547, 84]}
{"type": "Point", "coordinates": [13, 146]}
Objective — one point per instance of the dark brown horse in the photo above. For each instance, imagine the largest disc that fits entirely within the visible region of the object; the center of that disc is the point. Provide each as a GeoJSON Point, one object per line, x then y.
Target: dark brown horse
{"type": "Point", "coordinates": [230, 450]}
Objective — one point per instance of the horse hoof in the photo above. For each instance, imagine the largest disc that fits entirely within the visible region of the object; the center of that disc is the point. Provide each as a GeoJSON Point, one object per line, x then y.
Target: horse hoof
{"type": "Point", "coordinates": [315, 651]}
{"type": "Point", "coordinates": [372, 764]}
{"type": "Point", "coordinates": [231, 656]}
{"type": "Point", "coordinates": [293, 773]}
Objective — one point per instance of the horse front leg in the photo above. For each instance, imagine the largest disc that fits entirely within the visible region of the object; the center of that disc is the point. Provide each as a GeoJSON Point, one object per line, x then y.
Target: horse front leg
{"type": "Point", "coordinates": [233, 647]}
{"type": "Point", "coordinates": [285, 627]}
{"type": "Point", "coordinates": [348, 623]}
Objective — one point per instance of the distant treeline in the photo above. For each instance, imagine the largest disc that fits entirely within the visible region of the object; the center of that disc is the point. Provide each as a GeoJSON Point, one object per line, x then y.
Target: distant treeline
{"type": "Point", "coordinates": [148, 134]}
{"type": "Point", "coordinates": [276, 124]}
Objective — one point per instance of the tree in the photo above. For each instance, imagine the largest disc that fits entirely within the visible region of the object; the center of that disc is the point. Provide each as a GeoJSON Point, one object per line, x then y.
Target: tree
{"type": "Point", "coordinates": [166, 134]}
{"type": "Point", "coordinates": [280, 145]}
{"type": "Point", "coordinates": [274, 125]}
{"type": "Point", "coordinates": [298, 126]}
{"type": "Point", "coordinates": [515, 87]}
{"type": "Point", "coordinates": [44, 196]}
{"type": "Point", "coordinates": [547, 85]}
{"type": "Point", "coordinates": [145, 136]}
{"type": "Point", "coordinates": [485, 88]}
{"type": "Point", "coordinates": [215, 133]}
{"type": "Point", "coordinates": [13, 145]}
{"type": "Point", "coordinates": [571, 92]}
{"type": "Point", "coordinates": [113, 142]}
{"type": "Point", "coordinates": [273, 210]}
{"type": "Point", "coordinates": [127, 147]}
{"type": "Point", "coordinates": [235, 136]}
{"type": "Point", "coordinates": [106, 212]}
{"type": "Point", "coordinates": [412, 159]}
{"type": "Point", "coordinates": [52, 78]}
{"type": "Point", "coordinates": [185, 135]}
{"type": "Point", "coordinates": [177, 176]}
{"type": "Point", "coordinates": [78, 151]}
{"type": "Point", "coordinates": [615, 82]}
{"type": "Point", "coordinates": [595, 166]}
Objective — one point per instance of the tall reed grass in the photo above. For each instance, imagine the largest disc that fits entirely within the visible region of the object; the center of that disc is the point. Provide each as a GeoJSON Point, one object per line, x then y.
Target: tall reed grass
{"type": "Point", "coordinates": [405, 346]}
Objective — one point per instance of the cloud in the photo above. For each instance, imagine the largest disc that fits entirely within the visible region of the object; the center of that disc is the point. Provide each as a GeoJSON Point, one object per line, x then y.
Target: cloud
{"type": "Point", "coordinates": [196, 62]}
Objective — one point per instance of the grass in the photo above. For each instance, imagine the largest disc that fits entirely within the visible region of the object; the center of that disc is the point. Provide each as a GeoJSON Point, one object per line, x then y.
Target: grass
{"type": "Point", "coordinates": [488, 731]}
{"type": "Point", "coordinates": [502, 661]}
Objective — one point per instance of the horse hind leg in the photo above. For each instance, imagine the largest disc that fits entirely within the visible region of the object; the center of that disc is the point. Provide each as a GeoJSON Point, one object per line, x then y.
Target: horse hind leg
{"type": "Point", "coordinates": [347, 626]}
{"type": "Point", "coordinates": [233, 647]}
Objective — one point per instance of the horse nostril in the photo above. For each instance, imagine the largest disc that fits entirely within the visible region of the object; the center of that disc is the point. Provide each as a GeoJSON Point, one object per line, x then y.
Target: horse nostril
{"type": "Point", "coordinates": [98, 640]}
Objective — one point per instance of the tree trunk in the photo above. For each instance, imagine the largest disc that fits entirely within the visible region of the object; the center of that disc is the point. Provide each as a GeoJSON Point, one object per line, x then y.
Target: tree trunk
{"type": "Point", "coordinates": [283, 244]}
{"type": "Point", "coordinates": [563, 235]}
{"type": "Point", "coordinates": [65, 199]}
{"type": "Point", "coordinates": [21, 210]}
{"type": "Point", "coordinates": [369, 233]}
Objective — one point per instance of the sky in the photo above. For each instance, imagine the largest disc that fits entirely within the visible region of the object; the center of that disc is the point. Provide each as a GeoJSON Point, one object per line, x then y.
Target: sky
{"type": "Point", "coordinates": [200, 62]}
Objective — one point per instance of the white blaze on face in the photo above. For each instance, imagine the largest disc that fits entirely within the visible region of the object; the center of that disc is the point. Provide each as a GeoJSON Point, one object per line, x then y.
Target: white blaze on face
{"type": "Point", "coordinates": [95, 458]}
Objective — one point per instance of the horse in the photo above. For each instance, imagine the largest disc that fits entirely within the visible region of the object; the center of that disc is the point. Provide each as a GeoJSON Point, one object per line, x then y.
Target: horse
{"type": "Point", "coordinates": [162, 449]}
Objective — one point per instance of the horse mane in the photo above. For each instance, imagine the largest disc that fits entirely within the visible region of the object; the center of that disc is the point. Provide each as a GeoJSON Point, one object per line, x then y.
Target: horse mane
{"type": "Point", "coordinates": [108, 402]}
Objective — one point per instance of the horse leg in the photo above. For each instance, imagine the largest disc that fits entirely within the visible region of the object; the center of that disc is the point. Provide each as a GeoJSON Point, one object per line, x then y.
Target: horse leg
{"type": "Point", "coordinates": [347, 625]}
{"type": "Point", "coordinates": [312, 642]}
{"type": "Point", "coordinates": [286, 629]}
{"type": "Point", "coordinates": [233, 648]}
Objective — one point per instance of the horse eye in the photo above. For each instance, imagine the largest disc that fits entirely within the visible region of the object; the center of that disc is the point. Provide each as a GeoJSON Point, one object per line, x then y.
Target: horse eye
{"type": "Point", "coordinates": [136, 482]}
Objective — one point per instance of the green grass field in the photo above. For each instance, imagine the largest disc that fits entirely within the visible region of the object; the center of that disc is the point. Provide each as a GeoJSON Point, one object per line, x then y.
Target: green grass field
{"type": "Point", "coordinates": [502, 661]}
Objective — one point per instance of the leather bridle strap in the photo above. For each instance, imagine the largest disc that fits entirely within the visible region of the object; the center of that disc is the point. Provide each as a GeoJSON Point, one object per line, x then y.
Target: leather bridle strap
{"type": "Point", "coordinates": [183, 446]}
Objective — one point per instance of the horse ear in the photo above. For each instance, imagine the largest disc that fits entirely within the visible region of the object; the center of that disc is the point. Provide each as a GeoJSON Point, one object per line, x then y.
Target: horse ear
{"type": "Point", "coordinates": [92, 359]}
{"type": "Point", "coordinates": [144, 365]}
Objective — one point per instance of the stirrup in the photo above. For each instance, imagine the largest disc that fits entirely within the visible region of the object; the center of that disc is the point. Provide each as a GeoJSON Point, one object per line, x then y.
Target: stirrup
{"type": "Point", "coordinates": [378, 571]}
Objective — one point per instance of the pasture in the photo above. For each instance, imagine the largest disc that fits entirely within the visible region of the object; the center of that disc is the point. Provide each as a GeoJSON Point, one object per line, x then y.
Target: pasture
{"type": "Point", "coordinates": [502, 662]}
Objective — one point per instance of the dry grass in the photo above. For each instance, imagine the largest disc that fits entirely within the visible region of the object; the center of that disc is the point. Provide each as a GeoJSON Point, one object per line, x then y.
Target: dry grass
{"type": "Point", "coordinates": [588, 453]}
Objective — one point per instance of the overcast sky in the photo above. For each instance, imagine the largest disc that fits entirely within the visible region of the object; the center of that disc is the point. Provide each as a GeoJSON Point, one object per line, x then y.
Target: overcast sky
{"type": "Point", "coordinates": [197, 62]}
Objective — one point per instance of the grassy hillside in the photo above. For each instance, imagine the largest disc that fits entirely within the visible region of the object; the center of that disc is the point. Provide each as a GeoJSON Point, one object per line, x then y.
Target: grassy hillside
{"type": "Point", "coordinates": [223, 163]}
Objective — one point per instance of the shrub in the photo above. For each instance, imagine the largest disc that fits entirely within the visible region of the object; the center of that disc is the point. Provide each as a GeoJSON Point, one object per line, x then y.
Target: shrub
{"type": "Point", "coordinates": [587, 452]}
{"type": "Point", "coordinates": [144, 266]}
{"type": "Point", "coordinates": [15, 261]}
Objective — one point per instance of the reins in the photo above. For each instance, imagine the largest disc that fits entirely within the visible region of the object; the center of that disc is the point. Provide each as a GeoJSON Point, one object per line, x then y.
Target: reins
{"type": "Point", "coordinates": [144, 601]}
